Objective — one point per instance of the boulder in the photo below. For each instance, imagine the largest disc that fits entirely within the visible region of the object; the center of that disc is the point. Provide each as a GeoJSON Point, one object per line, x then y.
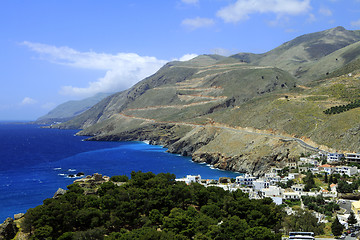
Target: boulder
{"type": "Point", "coordinates": [98, 177]}
{"type": "Point", "coordinates": [59, 192]}
{"type": "Point", "coordinates": [18, 216]}
{"type": "Point", "coordinates": [8, 229]}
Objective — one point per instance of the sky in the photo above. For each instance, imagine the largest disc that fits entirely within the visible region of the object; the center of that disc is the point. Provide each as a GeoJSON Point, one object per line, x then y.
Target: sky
{"type": "Point", "coordinates": [60, 50]}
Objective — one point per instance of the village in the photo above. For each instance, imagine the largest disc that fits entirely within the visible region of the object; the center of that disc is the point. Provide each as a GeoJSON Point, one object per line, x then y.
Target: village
{"type": "Point", "coordinates": [331, 178]}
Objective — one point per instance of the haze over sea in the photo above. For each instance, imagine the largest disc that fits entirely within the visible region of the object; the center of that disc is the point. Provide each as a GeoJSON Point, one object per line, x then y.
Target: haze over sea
{"type": "Point", "coordinates": [35, 162]}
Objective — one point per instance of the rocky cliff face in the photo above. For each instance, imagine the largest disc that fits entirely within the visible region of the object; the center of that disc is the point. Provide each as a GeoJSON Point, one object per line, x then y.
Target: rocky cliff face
{"type": "Point", "coordinates": [8, 229]}
{"type": "Point", "coordinates": [223, 148]}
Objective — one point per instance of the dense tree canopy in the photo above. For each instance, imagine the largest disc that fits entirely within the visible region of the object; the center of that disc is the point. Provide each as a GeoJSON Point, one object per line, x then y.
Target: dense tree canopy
{"type": "Point", "coordinates": [150, 206]}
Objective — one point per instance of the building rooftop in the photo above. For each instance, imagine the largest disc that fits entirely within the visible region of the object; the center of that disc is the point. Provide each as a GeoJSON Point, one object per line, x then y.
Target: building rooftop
{"type": "Point", "coordinates": [356, 204]}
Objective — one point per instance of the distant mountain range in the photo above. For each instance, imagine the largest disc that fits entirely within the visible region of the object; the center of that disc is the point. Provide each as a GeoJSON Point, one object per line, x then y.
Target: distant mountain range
{"type": "Point", "coordinates": [246, 112]}
{"type": "Point", "coordinates": [68, 110]}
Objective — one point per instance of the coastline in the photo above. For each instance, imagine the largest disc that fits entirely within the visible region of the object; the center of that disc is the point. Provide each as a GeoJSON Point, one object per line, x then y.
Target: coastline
{"type": "Point", "coordinates": [34, 177]}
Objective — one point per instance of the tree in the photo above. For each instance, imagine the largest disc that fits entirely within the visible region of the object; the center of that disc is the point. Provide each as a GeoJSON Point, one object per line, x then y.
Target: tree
{"type": "Point", "coordinates": [303, 221]}
{"type": "Point", "coordinates": [337, 227]}
{"type": "Point", "coordinates": [351, 219]}
{"type": "Point", "coordinates": [309, 181]}
{"type": "Point", "coordinates": [344, 187]}
{"type": "Point", "coordinates": [259, 233]}
{"type": "Point", "coordinates": [326, 178]}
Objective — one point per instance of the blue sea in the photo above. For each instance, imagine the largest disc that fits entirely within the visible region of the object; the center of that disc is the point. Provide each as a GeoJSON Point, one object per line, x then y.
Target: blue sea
{"type": "Point", "coordinates": [35, 162]}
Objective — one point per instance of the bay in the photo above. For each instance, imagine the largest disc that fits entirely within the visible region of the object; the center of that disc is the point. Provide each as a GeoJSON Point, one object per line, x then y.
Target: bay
{"type": "Point", "coordinates": [35, 162]}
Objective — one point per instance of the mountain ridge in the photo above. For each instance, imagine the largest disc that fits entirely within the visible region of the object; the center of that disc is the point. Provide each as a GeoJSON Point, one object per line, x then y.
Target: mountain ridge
{"type": "Point", "coordinates": [70, 109]}
{"type": "Point", "coordinates": [194, 108]}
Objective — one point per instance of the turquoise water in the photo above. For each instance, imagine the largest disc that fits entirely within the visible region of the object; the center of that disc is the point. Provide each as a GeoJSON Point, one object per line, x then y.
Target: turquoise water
{"type": "Point", "coordinates": [35, 162]}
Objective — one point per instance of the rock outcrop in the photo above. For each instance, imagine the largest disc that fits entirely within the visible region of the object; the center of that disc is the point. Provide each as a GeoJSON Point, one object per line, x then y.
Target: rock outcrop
{"type": "Point", "coordinates": [8, 229]}
{"type": "Point", "coordinates": [59, 193]}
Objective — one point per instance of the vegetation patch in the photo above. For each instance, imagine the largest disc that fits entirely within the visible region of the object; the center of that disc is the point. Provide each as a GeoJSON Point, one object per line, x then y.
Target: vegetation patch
{"type": "Point", "coordinates": [342, 108]}
{"type": "Point", "coordinates": [150, 206]}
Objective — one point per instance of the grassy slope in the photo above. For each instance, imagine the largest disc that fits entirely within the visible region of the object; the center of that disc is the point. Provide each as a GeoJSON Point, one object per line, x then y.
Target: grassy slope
{"type": "Point", "coordinates": [303, 57]}
{"type": "Point", "coordinates": [301, 114]}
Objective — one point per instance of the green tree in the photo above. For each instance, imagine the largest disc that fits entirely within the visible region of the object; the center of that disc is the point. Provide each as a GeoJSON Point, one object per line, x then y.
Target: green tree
{"type": "Point", "coordinates": [303, 221]}
{"type": "Point", "coordinates": [344, 187]}
{"type": "Point", "coordinates": [120, 178]}
{"type": "Point", "coordinates": [259, 233]}
{"type": "Point", "coordinates": [309, 181]}
{"type": "Point", "coordinates": [233, 228]}
{"type": "Point", "coordinates": [352, 219]}
{"type": "Point", "coordinates": [43, 232]}
{"type": "Point", "coordinates": [326, 178]}
{"type": "Point", "coordinates": [337, 227]}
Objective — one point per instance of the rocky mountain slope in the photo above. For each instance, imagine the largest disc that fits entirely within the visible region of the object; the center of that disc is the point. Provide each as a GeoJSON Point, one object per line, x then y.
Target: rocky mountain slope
{"type": "Point", "coordinates": [246, 112]}
{"type": "Point", "coordinates": [299, 56]}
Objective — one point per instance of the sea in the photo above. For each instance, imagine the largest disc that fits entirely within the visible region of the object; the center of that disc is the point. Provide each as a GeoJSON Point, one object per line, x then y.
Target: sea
{"type": "Point", "coordinates": [35, 162]}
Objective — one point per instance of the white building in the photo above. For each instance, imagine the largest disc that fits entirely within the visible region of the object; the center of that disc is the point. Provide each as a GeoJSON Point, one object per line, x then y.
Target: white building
{"type": "Point", "coordinates": [271, 191]}
{"type": "Point", "coordinates": [291, 196]}
{"type": "Point", "coordinates": [334, 157]}
{"type": "Point", "coordinates": [353, 157]}
{"type": "Point", "coordinates": [292, 165]}
{"type": "Point", "coordinates": [347, 170]}
{"type": "Point", "coordinates": [272, 178]}
{"type": "Point", "coordinates": [246, 180]}
{"type": "Point", "coordinates": [293, 176]}
{"type": "Point", "coordinates": [329, 169]}
{"type": "Point", "coordinates": [275, 170]}
{"type": "Point", "coordinates": [190, 179]}
{"type": "Point", "coordinates": [298, 188]}
{"type": "Point", "coordinates": [260, 184]}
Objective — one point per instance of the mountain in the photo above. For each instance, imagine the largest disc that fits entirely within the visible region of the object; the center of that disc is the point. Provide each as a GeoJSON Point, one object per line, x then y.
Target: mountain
{"type": "Point", "coordinates": [70, 109]}
{"type": "Point", "coordinates": [299, 55]}
{"type": "Point", "coordinates": [247, 112]}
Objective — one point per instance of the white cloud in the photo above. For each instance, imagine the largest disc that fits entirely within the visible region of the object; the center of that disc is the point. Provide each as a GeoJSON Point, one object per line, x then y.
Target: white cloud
{"type": "Point", "coordinates": [355, 23]}
{"type": "Point", "coordinates": [122, 70]}
{"type": "Point", "coordinates": [190, 1]}
{"type": "Point", "coordinates": [311, 18]}
{"type": "Point", "coordinates": [241, 9]}
{"type": "Point", "coordinates": [198, 22]}
{"type": "Point", "coordinates": [188, 57]}
{"type": "Point", "coordinates": [28, 101]}
{"type": "Point", "coordinates": [325, 11]}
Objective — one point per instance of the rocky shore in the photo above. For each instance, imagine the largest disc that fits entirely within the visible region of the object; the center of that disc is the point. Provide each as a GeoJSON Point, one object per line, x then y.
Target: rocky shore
{"type": "Point", "coordinates": [222, 148]}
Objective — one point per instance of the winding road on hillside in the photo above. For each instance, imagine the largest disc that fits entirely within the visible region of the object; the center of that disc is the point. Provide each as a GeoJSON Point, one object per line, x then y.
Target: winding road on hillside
{"type": "Point", "coordinates": [203, 96]}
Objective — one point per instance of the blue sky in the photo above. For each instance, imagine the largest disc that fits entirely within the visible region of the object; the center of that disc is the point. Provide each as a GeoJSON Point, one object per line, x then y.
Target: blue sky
{"type": "Point", "coordinates": [60, 50]}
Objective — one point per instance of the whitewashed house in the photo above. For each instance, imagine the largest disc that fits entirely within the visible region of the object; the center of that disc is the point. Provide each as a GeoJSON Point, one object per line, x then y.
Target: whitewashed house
{"type": "Point", "coordinates": [293, 176]}
{"type": "Point", "coordinates": [260, 184]}
{"type": "Point", "coordinates": [274, 193]}
{"type": "Point", "coordinates": [334, 157]}
{"type": "Point", "coordinates": [291, 196]}
{"type": "Point", "coordinates": [298, 188]}
{"type": "Point", "coordinates": [271, 191]}
{"type": "Point", "coordinates": [347, 170]}
{"type": "Point", "coordinates": [191, 178]}
{"type": "Point", "coordinates": [246, 180]}
{"type": "Point", "coordinates": [329, 169]}
{"type": "Point", "coordinates": [352, 157]}
{"type": "Point", "coordinates": [292, 165]}
{"type": "Point", "coordinates": [272, 178]}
